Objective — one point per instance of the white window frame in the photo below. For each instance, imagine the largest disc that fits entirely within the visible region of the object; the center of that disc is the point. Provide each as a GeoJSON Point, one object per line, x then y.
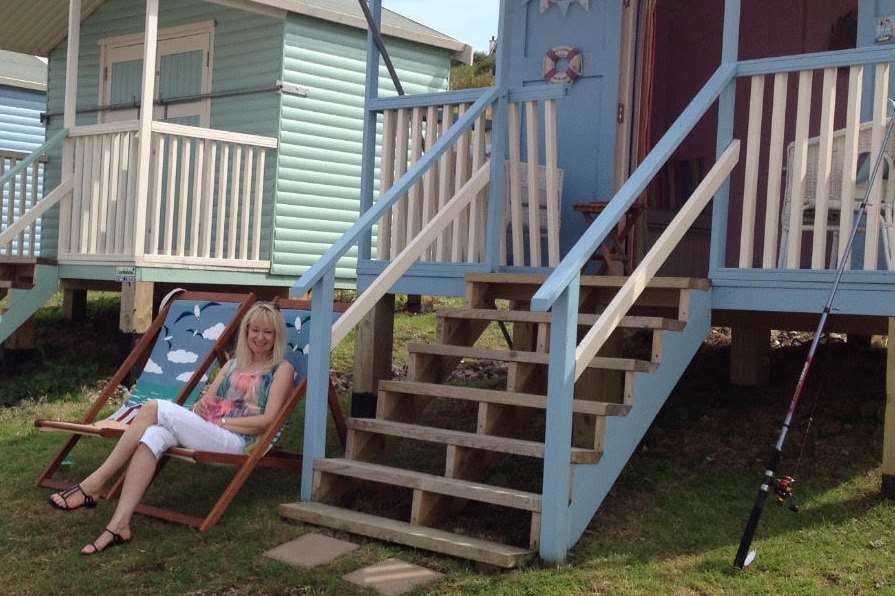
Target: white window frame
{"type": "Point", "coordinates": [172, 40]}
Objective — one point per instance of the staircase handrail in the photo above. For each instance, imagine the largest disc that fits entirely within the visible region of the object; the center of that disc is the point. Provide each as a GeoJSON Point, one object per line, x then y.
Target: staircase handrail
{"type": "Point", "coordinates": [570, 267]}
{"type": "Point", "coordinates": [369, 218]}
{"type": "Point", "coordinates": [38, 209]}
{"type": "Point", "coordinates": [35, 155]}
{"type": "Point", "coordinates": [640, 278]}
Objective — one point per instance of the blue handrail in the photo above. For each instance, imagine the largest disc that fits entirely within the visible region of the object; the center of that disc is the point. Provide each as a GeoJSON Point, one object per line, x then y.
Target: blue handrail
{"type": "Point", "coordinates": [570, 267]}
{"type": "Point", "coordinates": [35, 155]}
{"type": "Point", "coordinates": [366, 221]}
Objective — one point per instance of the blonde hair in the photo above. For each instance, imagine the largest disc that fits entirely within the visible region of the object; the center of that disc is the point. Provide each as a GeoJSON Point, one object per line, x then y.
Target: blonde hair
{"type": "Point", "coordinates": [275, 318]}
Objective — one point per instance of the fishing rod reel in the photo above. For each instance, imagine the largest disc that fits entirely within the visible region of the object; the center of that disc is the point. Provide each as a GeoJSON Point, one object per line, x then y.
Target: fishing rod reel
{"type": "Point", "coordinates": [783, 489]}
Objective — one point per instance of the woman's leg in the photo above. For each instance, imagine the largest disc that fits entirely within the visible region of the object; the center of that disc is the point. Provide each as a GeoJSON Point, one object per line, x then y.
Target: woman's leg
{"type": "Point", "coordinates": [124, 448]}
{"type": "Point", "coordinates": [137, 478]}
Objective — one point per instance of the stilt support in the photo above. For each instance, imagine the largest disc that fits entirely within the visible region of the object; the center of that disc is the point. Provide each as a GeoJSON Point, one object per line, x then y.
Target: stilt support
{"type": "Point", "coordinates": [749, 361]}
{"type": "Point", "coordinates": [136, 306]}
{"type": "Point", "coordinates": [372, 356]}
{"type": "Point", "coordinates": [889, 424]}
{"type": "Point", "coordinates": [74, 304]}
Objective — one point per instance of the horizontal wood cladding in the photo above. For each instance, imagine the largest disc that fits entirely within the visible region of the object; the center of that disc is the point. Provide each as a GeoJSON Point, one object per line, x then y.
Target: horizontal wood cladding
{"type": "Point", "coordinates": [247, 53]}
{"type": "Point", "coordinates": [318, 182]}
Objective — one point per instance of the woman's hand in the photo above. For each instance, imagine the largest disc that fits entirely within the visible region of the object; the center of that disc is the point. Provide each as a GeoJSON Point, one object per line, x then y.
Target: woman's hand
{"type": "Point", "coordinates": [280, 389]}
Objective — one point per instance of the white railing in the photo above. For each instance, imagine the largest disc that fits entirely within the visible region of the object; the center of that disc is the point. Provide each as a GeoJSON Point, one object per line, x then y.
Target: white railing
{"type": "Point", "coordinates": [98, 223]}
{"type": "Point", "coordinates": [19, 194]}
{"type": "Point", "coordinates": [407, 134]}
{"type": "Point", "coordinates": [206, 197]}
{"type": "Point", "coordinates": [205, 201]}
{"type": "Point", "coordinates": [817, 176]}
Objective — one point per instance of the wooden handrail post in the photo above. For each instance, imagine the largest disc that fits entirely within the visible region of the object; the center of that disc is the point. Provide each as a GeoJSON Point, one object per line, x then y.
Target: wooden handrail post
{"type": "Point", "coordinates": [556, 491]}
{"type": "Point", "coordinates": [147, 96]}
{"type": "Point", "coordinates": [318, 379]}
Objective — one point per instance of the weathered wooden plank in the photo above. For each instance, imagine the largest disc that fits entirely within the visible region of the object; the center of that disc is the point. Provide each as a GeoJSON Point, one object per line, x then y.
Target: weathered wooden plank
{"type": "Point", "coordinates": [431, 539]}
{"type": "Point", "coordinates": [399, 223]}
{"type": "Point", "coordinates": [534, 191]}
{"type": "Point", "coordinates": [800, 172]}
{"type": "Point", "coordinates": [775, 174]}
{"type": "Point", "coordinates": [386, 179]}
{"type": "Point", "coordinates": [880, 104]}
{"type": "Point", "coordinates": [540, 358]}
{"type": "Point", "coordinates": [551, 161]}
{"type": "Point", "coordinates": [515, 183]}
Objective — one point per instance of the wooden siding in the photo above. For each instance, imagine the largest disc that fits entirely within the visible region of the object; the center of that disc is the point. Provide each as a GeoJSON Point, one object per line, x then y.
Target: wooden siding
{"type": "Point", "coordinates": [318, 183]}
{"type": "Point", "coordinates": [247, 53]}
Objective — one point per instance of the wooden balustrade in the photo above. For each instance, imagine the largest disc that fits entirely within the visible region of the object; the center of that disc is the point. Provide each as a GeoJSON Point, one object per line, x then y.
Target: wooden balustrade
{"type": "Point", "coordinates": [533, 206]}
{"type": "Point", "coordinates": [205, 202]}
{"type": "Point", "coordinates": [812, 187]}
{"type": "Point", "coordinates": [407, 134]}
{"type": "Point", "coordinates": [18, 195]}
{"type": "Point", "coordinates": [98, 223]}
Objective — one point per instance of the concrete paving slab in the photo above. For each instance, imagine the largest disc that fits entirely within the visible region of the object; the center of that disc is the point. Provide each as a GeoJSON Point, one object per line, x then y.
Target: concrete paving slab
{"type": "Point", "coordinates": [392, 577]}
{"type": "Point", "coordinates": [310, 550]}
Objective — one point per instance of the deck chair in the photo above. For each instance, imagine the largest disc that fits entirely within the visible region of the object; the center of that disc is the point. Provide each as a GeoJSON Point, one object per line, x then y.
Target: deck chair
{"type": "Point", "coordinates": [864, 164]}
{"type": "Point", "coordinates": [263, 452]}
{"type": "Point", "coordinates": [190, 333]}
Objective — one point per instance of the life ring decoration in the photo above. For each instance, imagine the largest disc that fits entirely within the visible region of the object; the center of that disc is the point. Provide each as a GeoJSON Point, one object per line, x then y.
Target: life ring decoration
{"type": "Point", "coordinates": [574, 64]}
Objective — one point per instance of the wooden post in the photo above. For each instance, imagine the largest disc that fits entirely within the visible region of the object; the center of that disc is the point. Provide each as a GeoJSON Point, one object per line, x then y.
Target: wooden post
{"type": "Point", "coordinates": [373, 343]}
{"type": "Point", "coordinates": [136, 306]}
{"type": "Point", "coordinates": [147, 98]}
{"type": "Point", "coordinates": [74, 304]}
{"type": "Point", "coordinates": [888, 469]}
{"type": "Point", "coordinates": [368, 155]}
{"type": "Point", "coordinates": [69, 115]}
{"type": "Point", "coordinates": [749, 347]}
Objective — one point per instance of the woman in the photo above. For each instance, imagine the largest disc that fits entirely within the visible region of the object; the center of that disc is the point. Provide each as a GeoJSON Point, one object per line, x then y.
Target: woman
{"type": "Point", "coordinates": [240, 404]}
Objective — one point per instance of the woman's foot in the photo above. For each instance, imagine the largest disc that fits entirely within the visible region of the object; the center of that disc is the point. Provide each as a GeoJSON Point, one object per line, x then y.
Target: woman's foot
{"type": "Point", "coordinates": [107, 539]}
{"type": "Point", "coordinates": [74, 497]}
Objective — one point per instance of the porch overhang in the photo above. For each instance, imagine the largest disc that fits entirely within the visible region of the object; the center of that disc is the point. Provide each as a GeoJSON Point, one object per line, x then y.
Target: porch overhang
{"type": "Point", "coordinates": [37, 27]}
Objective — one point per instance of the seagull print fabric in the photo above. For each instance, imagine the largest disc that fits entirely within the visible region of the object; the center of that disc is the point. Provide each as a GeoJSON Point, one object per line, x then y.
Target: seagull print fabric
{"type": "Point", "coordinates": [190, 330]}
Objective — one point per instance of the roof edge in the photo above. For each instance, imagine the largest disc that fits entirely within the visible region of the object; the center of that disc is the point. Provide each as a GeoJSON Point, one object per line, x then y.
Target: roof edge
{"type": "Point", "coordinates": [23, 84]}
{"type": "Point", "coordinates": [461, 51]}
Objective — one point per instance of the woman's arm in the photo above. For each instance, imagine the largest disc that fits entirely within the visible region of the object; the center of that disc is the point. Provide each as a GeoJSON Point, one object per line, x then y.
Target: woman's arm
{"type": "Point", "coordinates": [211, 390]}
{"type": "Point", "coordinates": [276, 399]}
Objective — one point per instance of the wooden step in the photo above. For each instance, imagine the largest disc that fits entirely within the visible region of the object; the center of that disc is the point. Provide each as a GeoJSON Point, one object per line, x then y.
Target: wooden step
{"type": "Point", "coordinates": [451, 487]}
{"type": "Point", "coordinates": [601, 362]}
{"type": "Point", "coordinates": [524, 316]}
{"type": "Point", "coordinates": [505, 398]}
{"type": "Point", "coordinates": [364, 524]}
{"type": "Point", "coordinates": [591, 281]}
{"type": "Point", "coordinates": [464, 439]}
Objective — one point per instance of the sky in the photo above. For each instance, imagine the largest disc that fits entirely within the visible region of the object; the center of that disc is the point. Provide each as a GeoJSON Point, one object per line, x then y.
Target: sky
{"type": "Point", "coordinates": [471, 21]}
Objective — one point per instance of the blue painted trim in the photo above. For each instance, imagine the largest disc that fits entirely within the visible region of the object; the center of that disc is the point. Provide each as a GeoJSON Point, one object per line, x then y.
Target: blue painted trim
{"type": "Point", "coordinates": [726, 108]}
{"type": "Point", "coordinates": [368, 155]}
{"type": "Point", "coordinates": [522, 269]}
{"type": "Point", "coordinates": [805, 298]}
{"type": "Point", "coordinates": [35, 155]}
{"type": "Point", "coordinates": [538, 93]}
{"type": "Point", "coordinates": [430, 279]}
{"type": "Point", "coordinates": [623, 433]}
{"type": "Point", "coordinates": [318, 380]}
{"type": "Point", "coordinates": [776, 276]}
{"type": "Point", "coordinates": [366, 221]}
{"type": "Point", "coordinates": [423, 100]}
{"type": "Point", "coordinates": [555, 512]}
{"type": "Point", "coordinates": [581, 252]}
{"type": "Point", "coordinates": [815, 61]}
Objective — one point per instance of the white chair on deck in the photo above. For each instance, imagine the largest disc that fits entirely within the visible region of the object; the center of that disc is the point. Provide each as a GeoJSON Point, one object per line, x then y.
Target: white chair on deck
{"type": "Point", "coordinates": [865, 164]}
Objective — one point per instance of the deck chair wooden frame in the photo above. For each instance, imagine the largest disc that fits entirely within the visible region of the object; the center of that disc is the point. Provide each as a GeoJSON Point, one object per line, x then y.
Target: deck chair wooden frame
{"type": "Point", "coordinates": [136, 358]}
{"type": "Point", "coordinates": [262, 454]}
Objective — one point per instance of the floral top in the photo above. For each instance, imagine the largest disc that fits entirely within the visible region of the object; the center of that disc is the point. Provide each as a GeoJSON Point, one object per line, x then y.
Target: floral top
{"type": "Point", "coordinates": [240, 394]}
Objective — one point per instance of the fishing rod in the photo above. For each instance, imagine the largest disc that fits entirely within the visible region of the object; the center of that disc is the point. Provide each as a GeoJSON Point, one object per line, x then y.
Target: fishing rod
{"type": "Point", "coordinates": [783, 486]}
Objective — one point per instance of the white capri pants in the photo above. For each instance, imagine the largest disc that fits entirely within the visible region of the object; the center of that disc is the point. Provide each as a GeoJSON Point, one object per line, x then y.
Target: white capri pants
{"type": "Point", "coordinates": [179, 427]}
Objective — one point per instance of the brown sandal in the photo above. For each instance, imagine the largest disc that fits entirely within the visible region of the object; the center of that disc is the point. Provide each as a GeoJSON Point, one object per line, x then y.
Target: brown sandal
{"type": "Point", "coordinates": [89, 502]}
{"type": "Point", "coordinates": [117, 540]}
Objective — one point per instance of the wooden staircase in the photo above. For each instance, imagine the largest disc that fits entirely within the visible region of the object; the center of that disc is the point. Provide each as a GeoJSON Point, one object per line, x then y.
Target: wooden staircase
{"type": "Point", "coordinates": [442, 447]}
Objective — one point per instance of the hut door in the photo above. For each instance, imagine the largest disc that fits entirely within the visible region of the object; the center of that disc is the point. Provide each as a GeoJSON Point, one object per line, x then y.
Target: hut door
{"type": "Point", "coordinates": [184, 72]}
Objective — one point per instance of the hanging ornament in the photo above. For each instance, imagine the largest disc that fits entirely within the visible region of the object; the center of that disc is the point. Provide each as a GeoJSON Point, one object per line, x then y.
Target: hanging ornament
{"type": "Point", "coordinates": [572, 72]}
{"type": "Point", "coordinates": [564, 5]}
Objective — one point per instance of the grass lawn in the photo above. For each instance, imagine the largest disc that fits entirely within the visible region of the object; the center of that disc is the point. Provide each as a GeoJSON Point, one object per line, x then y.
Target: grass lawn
{"type": "Point", "coordinates": [671, 524]}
